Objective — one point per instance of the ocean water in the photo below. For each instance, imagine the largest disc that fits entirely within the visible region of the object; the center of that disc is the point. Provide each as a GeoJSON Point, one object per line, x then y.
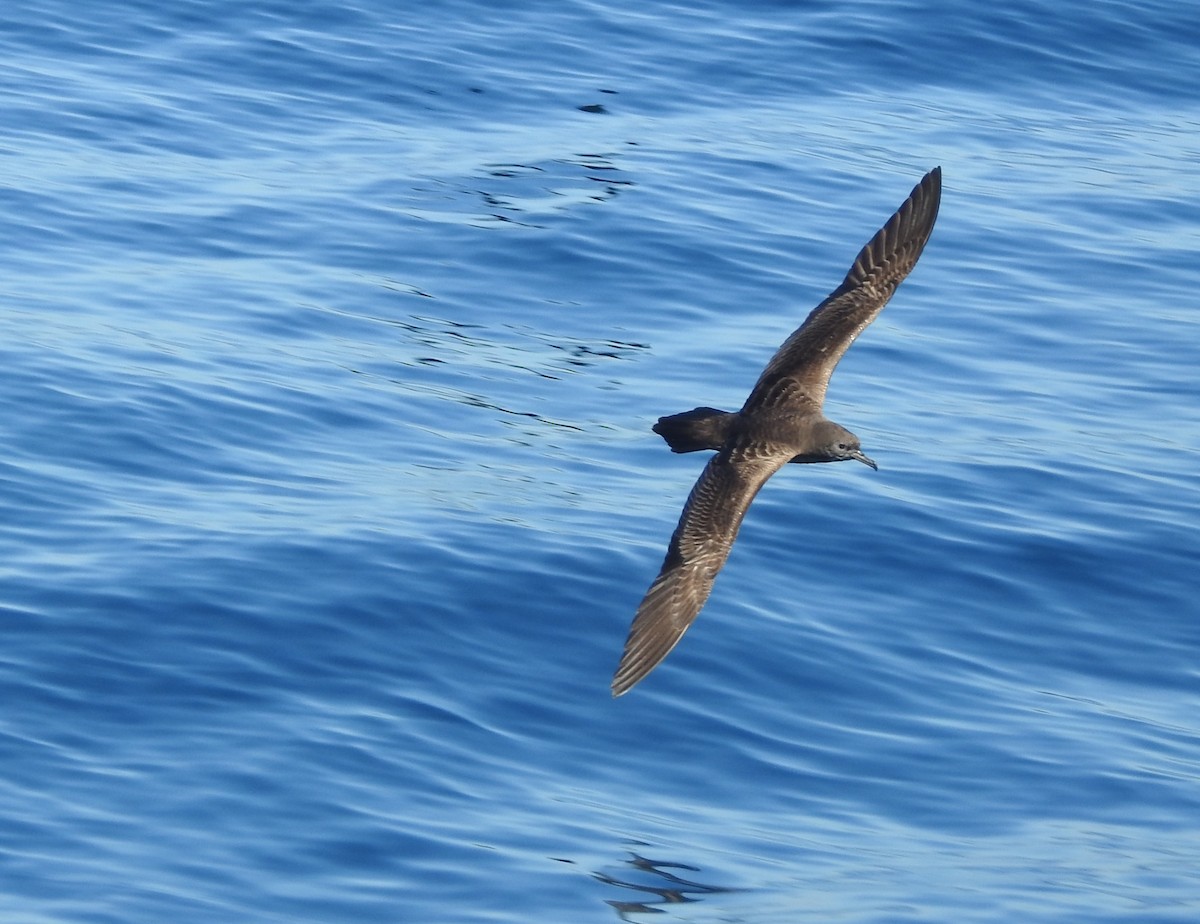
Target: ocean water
{"type": "Point", "coordinates": [332, 335]}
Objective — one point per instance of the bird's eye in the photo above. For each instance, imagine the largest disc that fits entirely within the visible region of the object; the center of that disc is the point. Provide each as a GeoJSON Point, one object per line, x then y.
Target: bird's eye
{"type": "Point", "coordinates": [843, 446]}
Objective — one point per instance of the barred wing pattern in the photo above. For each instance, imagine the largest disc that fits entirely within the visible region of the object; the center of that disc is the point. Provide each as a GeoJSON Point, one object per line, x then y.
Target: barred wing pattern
{"type": "Point", "coordinates": [799, 371]}
{"type": "Point", "coordinates": [699, 547]}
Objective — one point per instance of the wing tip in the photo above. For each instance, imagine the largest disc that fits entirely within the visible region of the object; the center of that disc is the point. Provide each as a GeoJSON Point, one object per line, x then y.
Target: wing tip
{"type": "Point", "coordinates": [906, 232]}
{"type": "Point", "coordinates": [929, 192]}
{"type": "Point", "coordinates": [641, 656]}
{"type": "Point", "coordinates": [626, 678]}
{"type": "Point", "coordinates": [621, 687]}
{"type": "Point", "coordinates": [654, 634]}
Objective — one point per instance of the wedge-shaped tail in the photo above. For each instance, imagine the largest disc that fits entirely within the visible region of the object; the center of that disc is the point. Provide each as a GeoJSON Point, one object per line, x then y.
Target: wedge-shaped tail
{"type": "Point", "coordinates": [699, 428]}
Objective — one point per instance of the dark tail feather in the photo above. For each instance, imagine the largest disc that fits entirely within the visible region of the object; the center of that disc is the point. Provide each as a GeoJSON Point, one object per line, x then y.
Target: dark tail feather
{"type": "Point", "coordinates": [699, 428]}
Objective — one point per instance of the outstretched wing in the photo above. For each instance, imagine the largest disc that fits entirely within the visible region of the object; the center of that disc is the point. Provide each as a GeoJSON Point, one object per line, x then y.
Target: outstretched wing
{"type": "Point", "coordinates": [699, 547]}
{"type": "Point", "coordinates": [799, 371]}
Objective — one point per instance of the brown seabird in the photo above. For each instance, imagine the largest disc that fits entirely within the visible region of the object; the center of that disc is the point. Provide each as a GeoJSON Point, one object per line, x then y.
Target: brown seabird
{"type": "Point", "coordinates": [780, 422]}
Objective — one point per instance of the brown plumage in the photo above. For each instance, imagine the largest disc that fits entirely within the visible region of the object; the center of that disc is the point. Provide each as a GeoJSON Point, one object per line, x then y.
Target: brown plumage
{"type": "Point", "coordinates": [780, 422]}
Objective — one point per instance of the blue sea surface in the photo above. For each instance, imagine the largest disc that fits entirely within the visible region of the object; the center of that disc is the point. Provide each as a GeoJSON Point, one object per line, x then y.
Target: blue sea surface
{"type": "Point", "coordinates": [331, 339]}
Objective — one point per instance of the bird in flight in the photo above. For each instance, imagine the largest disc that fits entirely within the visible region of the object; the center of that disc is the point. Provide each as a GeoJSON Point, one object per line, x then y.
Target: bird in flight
{"type": "Point", "coordinates": [780, 422]}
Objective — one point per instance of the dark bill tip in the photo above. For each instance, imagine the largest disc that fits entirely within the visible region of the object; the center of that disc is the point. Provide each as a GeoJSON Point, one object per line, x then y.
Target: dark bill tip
{"type": "Point", "coordinates": [862, 457]}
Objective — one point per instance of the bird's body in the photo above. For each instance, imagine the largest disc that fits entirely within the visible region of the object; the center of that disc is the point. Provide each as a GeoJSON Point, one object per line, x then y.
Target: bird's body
{"type": "Point", "coordinates": [780, 422]}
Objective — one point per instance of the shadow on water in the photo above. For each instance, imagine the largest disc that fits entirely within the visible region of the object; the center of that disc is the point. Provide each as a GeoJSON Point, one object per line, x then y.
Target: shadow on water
{"type": "Point", "coordinates": [655, 883]}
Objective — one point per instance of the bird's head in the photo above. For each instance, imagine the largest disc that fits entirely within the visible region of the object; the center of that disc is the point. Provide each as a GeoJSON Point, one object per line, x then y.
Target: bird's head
{"type": "Point", "coordinates": [834, 443]}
